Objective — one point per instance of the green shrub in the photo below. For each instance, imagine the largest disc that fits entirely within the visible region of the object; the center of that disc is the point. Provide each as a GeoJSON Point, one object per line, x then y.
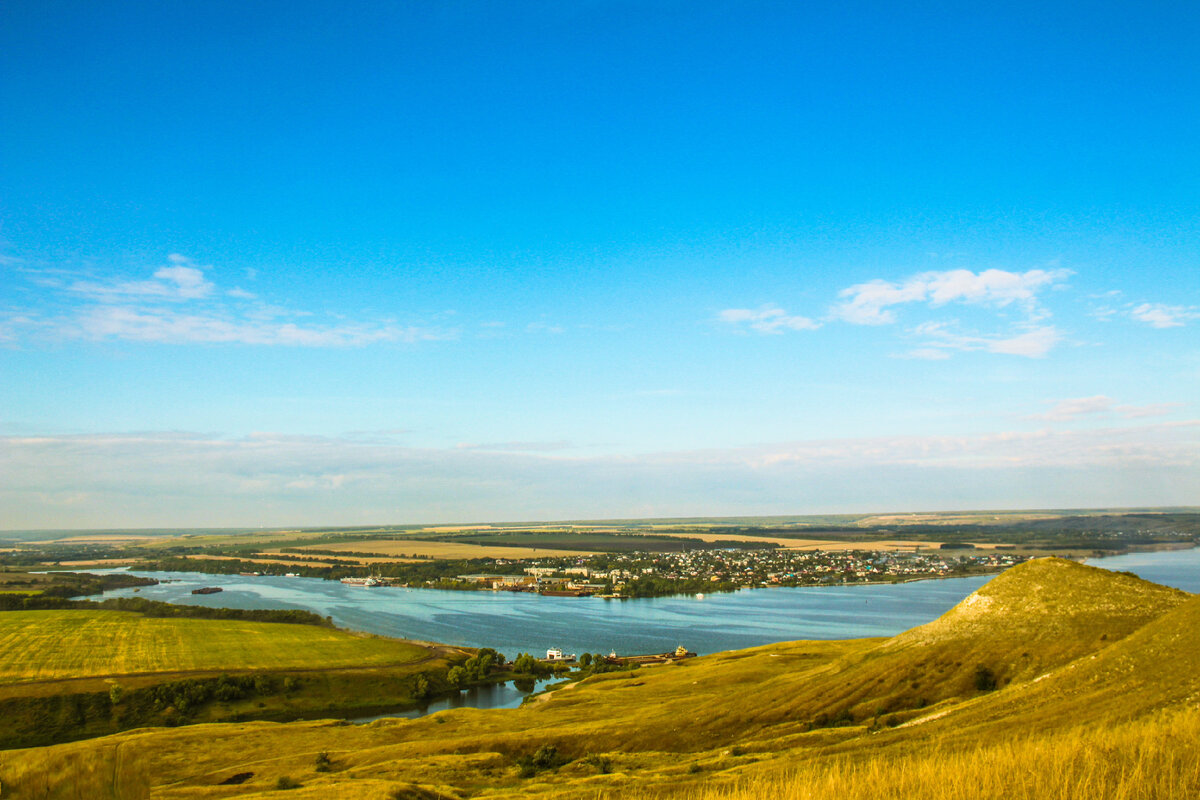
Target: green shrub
{"type": "Point", "coordinates": [985, 679]}
{"type": "Point", "coordinates": [545, 757]}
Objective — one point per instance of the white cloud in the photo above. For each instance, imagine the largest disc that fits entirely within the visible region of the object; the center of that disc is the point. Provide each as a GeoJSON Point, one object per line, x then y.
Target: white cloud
{"type": "Point", "coordinates": [1099, 406]}
{"type": "Point", "coordinates": [871, 303]}
{"type": "Point", "coordinates": [1033, 343]}
{"type": "Point", "coordinates": [767, 319]}
{"type": "Point", "coordinates": [181, 281]}
{"type": "Point", "coordinates": [517, 447]}
{"type": "Point", "coordinates": [875, 302]}
{"type": "Point", "coordinates": [175, 327]}
{"type": "Point", "coordinates": [1161, 315]}
{"type": "Point", "coordinates": [179, 305]}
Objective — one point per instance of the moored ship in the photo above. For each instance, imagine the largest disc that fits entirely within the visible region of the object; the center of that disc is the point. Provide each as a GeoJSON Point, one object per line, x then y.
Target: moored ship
{"type": "Point", "coordinates": [362, 582]}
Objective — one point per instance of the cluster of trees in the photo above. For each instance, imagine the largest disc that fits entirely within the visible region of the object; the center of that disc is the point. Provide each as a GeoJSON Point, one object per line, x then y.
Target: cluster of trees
{"type": "Point", "coordinates": [37, 721]}
{"type": "Point", "coordinates": [155, 608]}
{"type": "Point", "coordinates": [594, 664]}
{"type": "Point", "coordinates": [649, 586]}
{"type": "Point", "coordinates": [476, 669]}
{"type": "Point", "coordinates": [192, 694]}
{"type": "Point", "coordinates": [439, 572]}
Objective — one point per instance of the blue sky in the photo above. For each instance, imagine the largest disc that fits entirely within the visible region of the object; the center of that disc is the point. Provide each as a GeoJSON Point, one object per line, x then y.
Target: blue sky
{"type": "Point", "coordinates": [295, 264]}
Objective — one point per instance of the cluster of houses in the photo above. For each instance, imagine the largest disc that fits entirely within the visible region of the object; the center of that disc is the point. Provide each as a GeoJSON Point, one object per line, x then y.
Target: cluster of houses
{"type": "Point", "coordinates": [760, 567]}
{"type": "Point", "coordinates": [573, 581]}
{"type": "Point", "coordinates": [556, 656]}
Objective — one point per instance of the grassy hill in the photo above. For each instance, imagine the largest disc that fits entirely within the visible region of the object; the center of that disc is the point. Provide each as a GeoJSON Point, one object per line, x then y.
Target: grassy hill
{"type": "Point", "coordinates": [1096, 680]}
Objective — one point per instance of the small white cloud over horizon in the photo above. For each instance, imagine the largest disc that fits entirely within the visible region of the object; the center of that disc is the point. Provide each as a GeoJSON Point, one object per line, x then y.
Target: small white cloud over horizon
{"type": "Point", "coordinates": [1101, 406]}
{"type": "Point", "coordinates": [167, 326]}
{"type": "Point", "coordinates": [179, 305]}
{"type": "Point", "coordinates": [1035, 342]}
{"type": "Point", "coordinates": [180, 281]}
{"type": "Point", "coordinates": [872, 303]}
{"type": "Point", "coordinates": [1161, 315]}
{"type": "Point", "coordinates": [769, 319]}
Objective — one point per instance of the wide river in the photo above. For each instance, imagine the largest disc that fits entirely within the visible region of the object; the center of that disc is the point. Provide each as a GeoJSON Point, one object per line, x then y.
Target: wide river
{"type": "Point", "coordinates": [514, 623]}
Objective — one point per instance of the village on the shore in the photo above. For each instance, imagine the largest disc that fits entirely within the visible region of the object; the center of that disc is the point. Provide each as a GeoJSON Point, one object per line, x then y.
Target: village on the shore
{"type": "Point", "coordinates": [643, 574]}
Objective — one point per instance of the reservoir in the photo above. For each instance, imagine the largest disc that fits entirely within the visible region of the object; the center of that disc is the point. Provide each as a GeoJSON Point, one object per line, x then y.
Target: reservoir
{"type": "Point", "coordinates": [513, 623]}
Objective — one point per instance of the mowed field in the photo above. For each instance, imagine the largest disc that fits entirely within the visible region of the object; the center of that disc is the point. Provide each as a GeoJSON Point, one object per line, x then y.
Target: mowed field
{"type": "Point", "coordinates": [48, 645]}
{"type": "Point", "coordinates": [398, 549]}
{"type": "Point", "coordinates": [831, 545]}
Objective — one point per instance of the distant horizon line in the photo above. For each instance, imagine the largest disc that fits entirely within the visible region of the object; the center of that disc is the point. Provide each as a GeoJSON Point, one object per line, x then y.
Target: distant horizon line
{"type": "Point", "coordinates": [615, 520]}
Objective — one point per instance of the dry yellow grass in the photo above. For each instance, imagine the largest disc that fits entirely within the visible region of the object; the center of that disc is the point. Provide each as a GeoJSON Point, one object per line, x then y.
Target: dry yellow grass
{"type": "Point", "coordinates": [392, 548]}
{"type": "Point", "coordinates": [952, 519]}
{"type": "Point", "coordinates": [1148, 760]}
{"type": "Point", "coordinates": [296, 559]}
{"type": "Point", "coordinates": [833, 545]}
{"type": "Point", "coordinates": [115, 538]}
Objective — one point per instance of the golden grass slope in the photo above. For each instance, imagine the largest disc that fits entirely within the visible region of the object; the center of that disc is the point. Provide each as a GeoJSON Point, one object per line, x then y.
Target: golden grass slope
{"type": "Point", "coordinates": [45, 645]}
{"type": "Point", "coordinates": [1145, 760]}
{"type": "Point", "coordinates": [1109, 708]}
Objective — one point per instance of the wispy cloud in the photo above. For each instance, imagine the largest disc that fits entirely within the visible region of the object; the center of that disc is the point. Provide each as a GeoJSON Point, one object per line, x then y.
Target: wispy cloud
{"type": "Point", "coordinates": [180, 281]}
{"type": "Point", "coordinates": [517, 447]}
{"type": "Point", "coordinates": [942, 337]}
{"type": "Point", "coordinates": [767, 319]}
{"type": "Point", "coordinates": [1101, 406]}
{"type": "Point", "coordinates": [544, 327]}
{"type": "Point", "coordinates": [179, 304]}
{"type": "Point", "coordinates": [877, 302]}
{"type": "Point", "coordinates": [1161, 315]}
{"type": "Point", "coordinates": [173, 327]}
{"type": "Point", "coordinates": [873, 302]}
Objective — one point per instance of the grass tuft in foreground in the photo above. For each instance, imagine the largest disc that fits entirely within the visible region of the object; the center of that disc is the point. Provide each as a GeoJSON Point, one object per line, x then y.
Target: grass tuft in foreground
{"type": "Point", "coordinates": [1148, 760]}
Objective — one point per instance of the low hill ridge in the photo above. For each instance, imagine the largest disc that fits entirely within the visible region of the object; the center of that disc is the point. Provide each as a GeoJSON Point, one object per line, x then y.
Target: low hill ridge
{"type": "Point", "coordinates": [1024, 623]}
{"type": "Point", "coordinates": [1051, 598]}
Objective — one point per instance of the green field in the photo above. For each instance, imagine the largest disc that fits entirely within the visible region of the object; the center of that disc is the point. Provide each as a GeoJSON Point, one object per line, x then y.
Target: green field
{"type": "Point", "coordinates": [46, 645]}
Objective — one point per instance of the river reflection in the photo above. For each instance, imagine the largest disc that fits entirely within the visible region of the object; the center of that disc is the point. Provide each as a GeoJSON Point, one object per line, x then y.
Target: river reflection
{"type": "Point", "coordinates": [501, 695]}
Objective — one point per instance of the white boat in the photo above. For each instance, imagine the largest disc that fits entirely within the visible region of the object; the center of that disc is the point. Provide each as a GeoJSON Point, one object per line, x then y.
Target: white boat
{"type": "Point", "coordinates": [361, 582]}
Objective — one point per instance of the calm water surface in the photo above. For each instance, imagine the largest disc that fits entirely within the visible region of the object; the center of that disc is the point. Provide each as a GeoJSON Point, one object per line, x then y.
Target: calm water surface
{"type": "Point", "coordinates": [514, 623]}
{"type": "Point", "coordinates": [1178, 568]}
